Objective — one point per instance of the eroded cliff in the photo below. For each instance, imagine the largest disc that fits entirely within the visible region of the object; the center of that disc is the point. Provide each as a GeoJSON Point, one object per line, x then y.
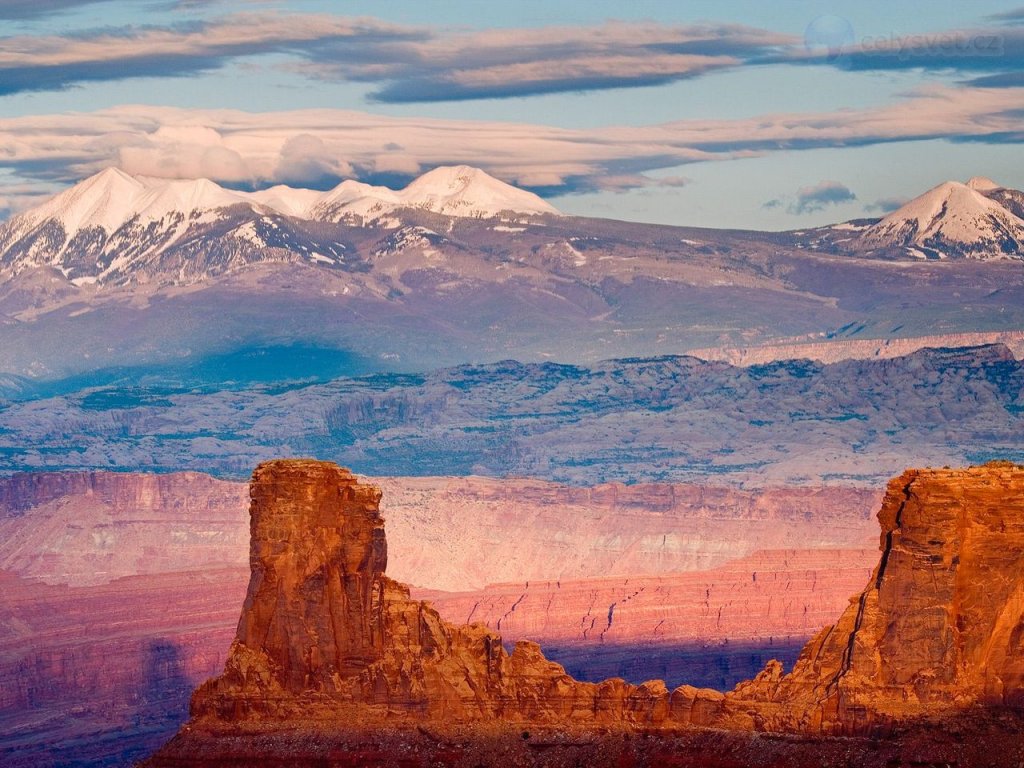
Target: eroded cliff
{"type": "Point", "coordinates": [329, 644]}
{"type": "Point", "coordinates": [324, 631]}
{"type": "Point", "coordinates": [939, 627]}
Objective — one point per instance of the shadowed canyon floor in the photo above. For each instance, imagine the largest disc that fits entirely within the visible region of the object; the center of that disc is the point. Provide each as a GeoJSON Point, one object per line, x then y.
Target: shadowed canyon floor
{"type": "Point", "coordinates": [156, 566]}
{"type": "Point", "coordinates": [926, 653]}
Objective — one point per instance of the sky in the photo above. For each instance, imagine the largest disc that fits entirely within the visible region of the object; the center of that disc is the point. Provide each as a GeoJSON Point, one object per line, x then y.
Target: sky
{"type": "Point", "coordinates": [747, 114]}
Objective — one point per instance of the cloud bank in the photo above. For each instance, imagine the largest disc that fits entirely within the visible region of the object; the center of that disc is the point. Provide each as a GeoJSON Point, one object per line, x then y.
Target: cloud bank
{"type": "Point", "coordinates": [404, 63]}
{"type": "Point", "coordinates": [320, 147]}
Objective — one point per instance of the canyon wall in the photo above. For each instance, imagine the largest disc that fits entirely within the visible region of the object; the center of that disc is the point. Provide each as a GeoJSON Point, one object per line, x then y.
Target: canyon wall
{"type": "Point", "coordinates": [88, 528]}
{"type": "Point", "coordinates": [940, 625]}
{"type": "Point", "coordinates": [709, 628]}
{"type": "Point", "coordinates": [446, 533]}
{"type": "Point", "coordinates": [101, 675]}
{"type": "Point", "coordinates": [834, 350]}
{"type": "Point", "coordinates": [936, 631]}
{"type": "Point", "coordinates": [108, 573]}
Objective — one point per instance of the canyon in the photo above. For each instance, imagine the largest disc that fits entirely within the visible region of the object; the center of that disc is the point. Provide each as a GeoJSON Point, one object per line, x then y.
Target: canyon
{"type": "Point", "coordinates": [121, 590]}
{"type": "Point", "coordinates": [326, 639]}
{"type": "Point", "coordinates": [446, 533]}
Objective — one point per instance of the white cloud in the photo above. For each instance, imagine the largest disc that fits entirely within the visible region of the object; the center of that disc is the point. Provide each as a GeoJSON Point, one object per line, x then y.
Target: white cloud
{"type": "Point", "coordinates": [297, 146]}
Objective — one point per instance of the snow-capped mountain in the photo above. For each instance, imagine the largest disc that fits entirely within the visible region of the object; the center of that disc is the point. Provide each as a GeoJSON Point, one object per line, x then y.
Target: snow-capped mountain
{"type": "Point", "coordinates": [459, 191]}
{"type": "Point", "coordinates": [978, 219]}
{"type": "Point", "coordinates": [464, 191]}
{"type": "Point", "coordinates": [116, 228]}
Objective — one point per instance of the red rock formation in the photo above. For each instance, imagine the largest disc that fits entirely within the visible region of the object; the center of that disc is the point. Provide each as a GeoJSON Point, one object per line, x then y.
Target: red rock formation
{"type": "Point", "coordinates": [145, 556]}
{"type": "Point", "coordinates": [937, 630]}
{"type": "Point", "coordinates": [939, 627]}
{"type": "Point", "coordinates": [324, 631]}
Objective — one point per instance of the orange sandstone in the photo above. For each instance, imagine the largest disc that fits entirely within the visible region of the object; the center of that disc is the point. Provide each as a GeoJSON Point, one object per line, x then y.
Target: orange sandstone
{"type": "Point", "coordinates": [329, 643]}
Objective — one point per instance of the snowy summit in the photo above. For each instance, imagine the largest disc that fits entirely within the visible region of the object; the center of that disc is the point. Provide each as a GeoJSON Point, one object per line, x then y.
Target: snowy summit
{"type": "Point", "coordinates": [112, 198]}
{"type": "Point", "coordinates": [113, 226]}
{"type": "Point", "coordinates": [953, 219]}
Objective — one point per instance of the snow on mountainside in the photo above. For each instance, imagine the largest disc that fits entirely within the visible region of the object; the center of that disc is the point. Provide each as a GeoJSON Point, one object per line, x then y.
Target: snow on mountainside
{"type": "Point", "coordinates": [112, 198]}
{"type": "Point", "coordinates": [465, 191]}
{"type": "Point", "coordinates": [116, 228]}
{"type": "Point", "coordinates": [953, 220]}
{"type": "Point", "coordinates": [452, 191]}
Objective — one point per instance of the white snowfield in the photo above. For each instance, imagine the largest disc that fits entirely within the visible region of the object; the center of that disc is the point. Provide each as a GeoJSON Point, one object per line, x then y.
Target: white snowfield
{"type": "Point", "coordinates": [952, 213]}
{"type": "Point", "coordinates": [112, 198]}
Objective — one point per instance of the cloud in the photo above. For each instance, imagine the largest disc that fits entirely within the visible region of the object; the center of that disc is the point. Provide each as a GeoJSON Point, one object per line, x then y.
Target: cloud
{"type": "Point", "coordinates": [522, 62]}
{"type": "Point", "coordinates": [54, 62]}
{"type": "Point", "coordinates": [19, 10]}
{"type": "Point", "coordinates": [305, 160]}
{"type": "Point", "coordinates": [819, 196]}
{"type": "Point", "coordinates": [253, 149]}
{"type": "Point", "coordinates": [886, 204]}
{"type": "Point", "coordinates": [404, 64]}
{"type": "Point", "coordinates": [15, 197]}
{"type": "Point", "coordinates": [24, 10]}
{"type": "Point", "coordinates": [985, 52]}
{"type": "Point", "coordinates": [319, 147]}
{"type": "Point", "coordinates": [1014, 16]}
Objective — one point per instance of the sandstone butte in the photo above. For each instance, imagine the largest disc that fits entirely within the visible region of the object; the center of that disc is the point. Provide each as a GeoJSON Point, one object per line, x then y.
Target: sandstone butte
{"type": "Point", "coordinates": [328, 644]}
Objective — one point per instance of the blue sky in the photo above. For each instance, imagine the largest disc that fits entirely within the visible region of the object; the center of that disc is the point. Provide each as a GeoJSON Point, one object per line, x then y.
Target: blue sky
{"type": "Point", "coordinates": [742, 114]}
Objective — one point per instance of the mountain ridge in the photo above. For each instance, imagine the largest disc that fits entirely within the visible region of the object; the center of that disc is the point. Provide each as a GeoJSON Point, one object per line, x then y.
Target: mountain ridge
{"type": "Point", "coordinates": [417, 288]}
{"type": "Point", "coordinates": [108, 225]}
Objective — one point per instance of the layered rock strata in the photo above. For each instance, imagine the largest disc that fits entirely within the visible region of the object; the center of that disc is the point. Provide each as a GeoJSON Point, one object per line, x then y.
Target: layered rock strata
{"type": "Point", "coordinates": [324, 630]}
{"type": "Point", "coordinates": [939, 627]}
{"type": "Point", "coordinates": [85, 528]}
{"type": "Point", "coordinates": [329, 643]}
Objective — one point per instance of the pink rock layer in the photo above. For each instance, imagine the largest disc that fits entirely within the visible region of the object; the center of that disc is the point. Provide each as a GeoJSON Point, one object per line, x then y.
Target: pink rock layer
{"type": "Point", "coordinates": [453, 534]}
{"type": "Point", "coordinates": [103, 673]}
{"type": "Point", "coordinates": [771, 595]}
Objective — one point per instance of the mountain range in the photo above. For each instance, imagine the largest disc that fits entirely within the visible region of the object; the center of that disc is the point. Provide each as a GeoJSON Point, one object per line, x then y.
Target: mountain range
{"type": "Point", "coordinates": [126, 276]}
{"type": "Point", "coordinates": [115, 228]}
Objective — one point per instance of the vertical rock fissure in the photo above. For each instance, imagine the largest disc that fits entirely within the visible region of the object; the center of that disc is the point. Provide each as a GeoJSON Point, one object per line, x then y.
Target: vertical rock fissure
{"type": "Point", "coordinates": [887, 550]}
{"type": "Point", "coordinates": [847, 660]}
{"type": "Point", "coordinates": [611, 616]}
{"type": "Point", "coordinates": [512, 610]}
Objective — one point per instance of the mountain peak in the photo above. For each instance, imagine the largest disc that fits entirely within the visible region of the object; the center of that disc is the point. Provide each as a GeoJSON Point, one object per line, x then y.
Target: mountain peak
{"type": "Point", "coordinates": [100, 200]}
{"type": "Point", "coordinates": [451, 190]}
{"type": "Point", "coordinates": [983, 184]}
{"type": "Point", "coordinates": [952, 219]}
{"type": "Point", "coordinates": [462, 190]}
{"type": "Point", "coordinates": [111, 198]}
